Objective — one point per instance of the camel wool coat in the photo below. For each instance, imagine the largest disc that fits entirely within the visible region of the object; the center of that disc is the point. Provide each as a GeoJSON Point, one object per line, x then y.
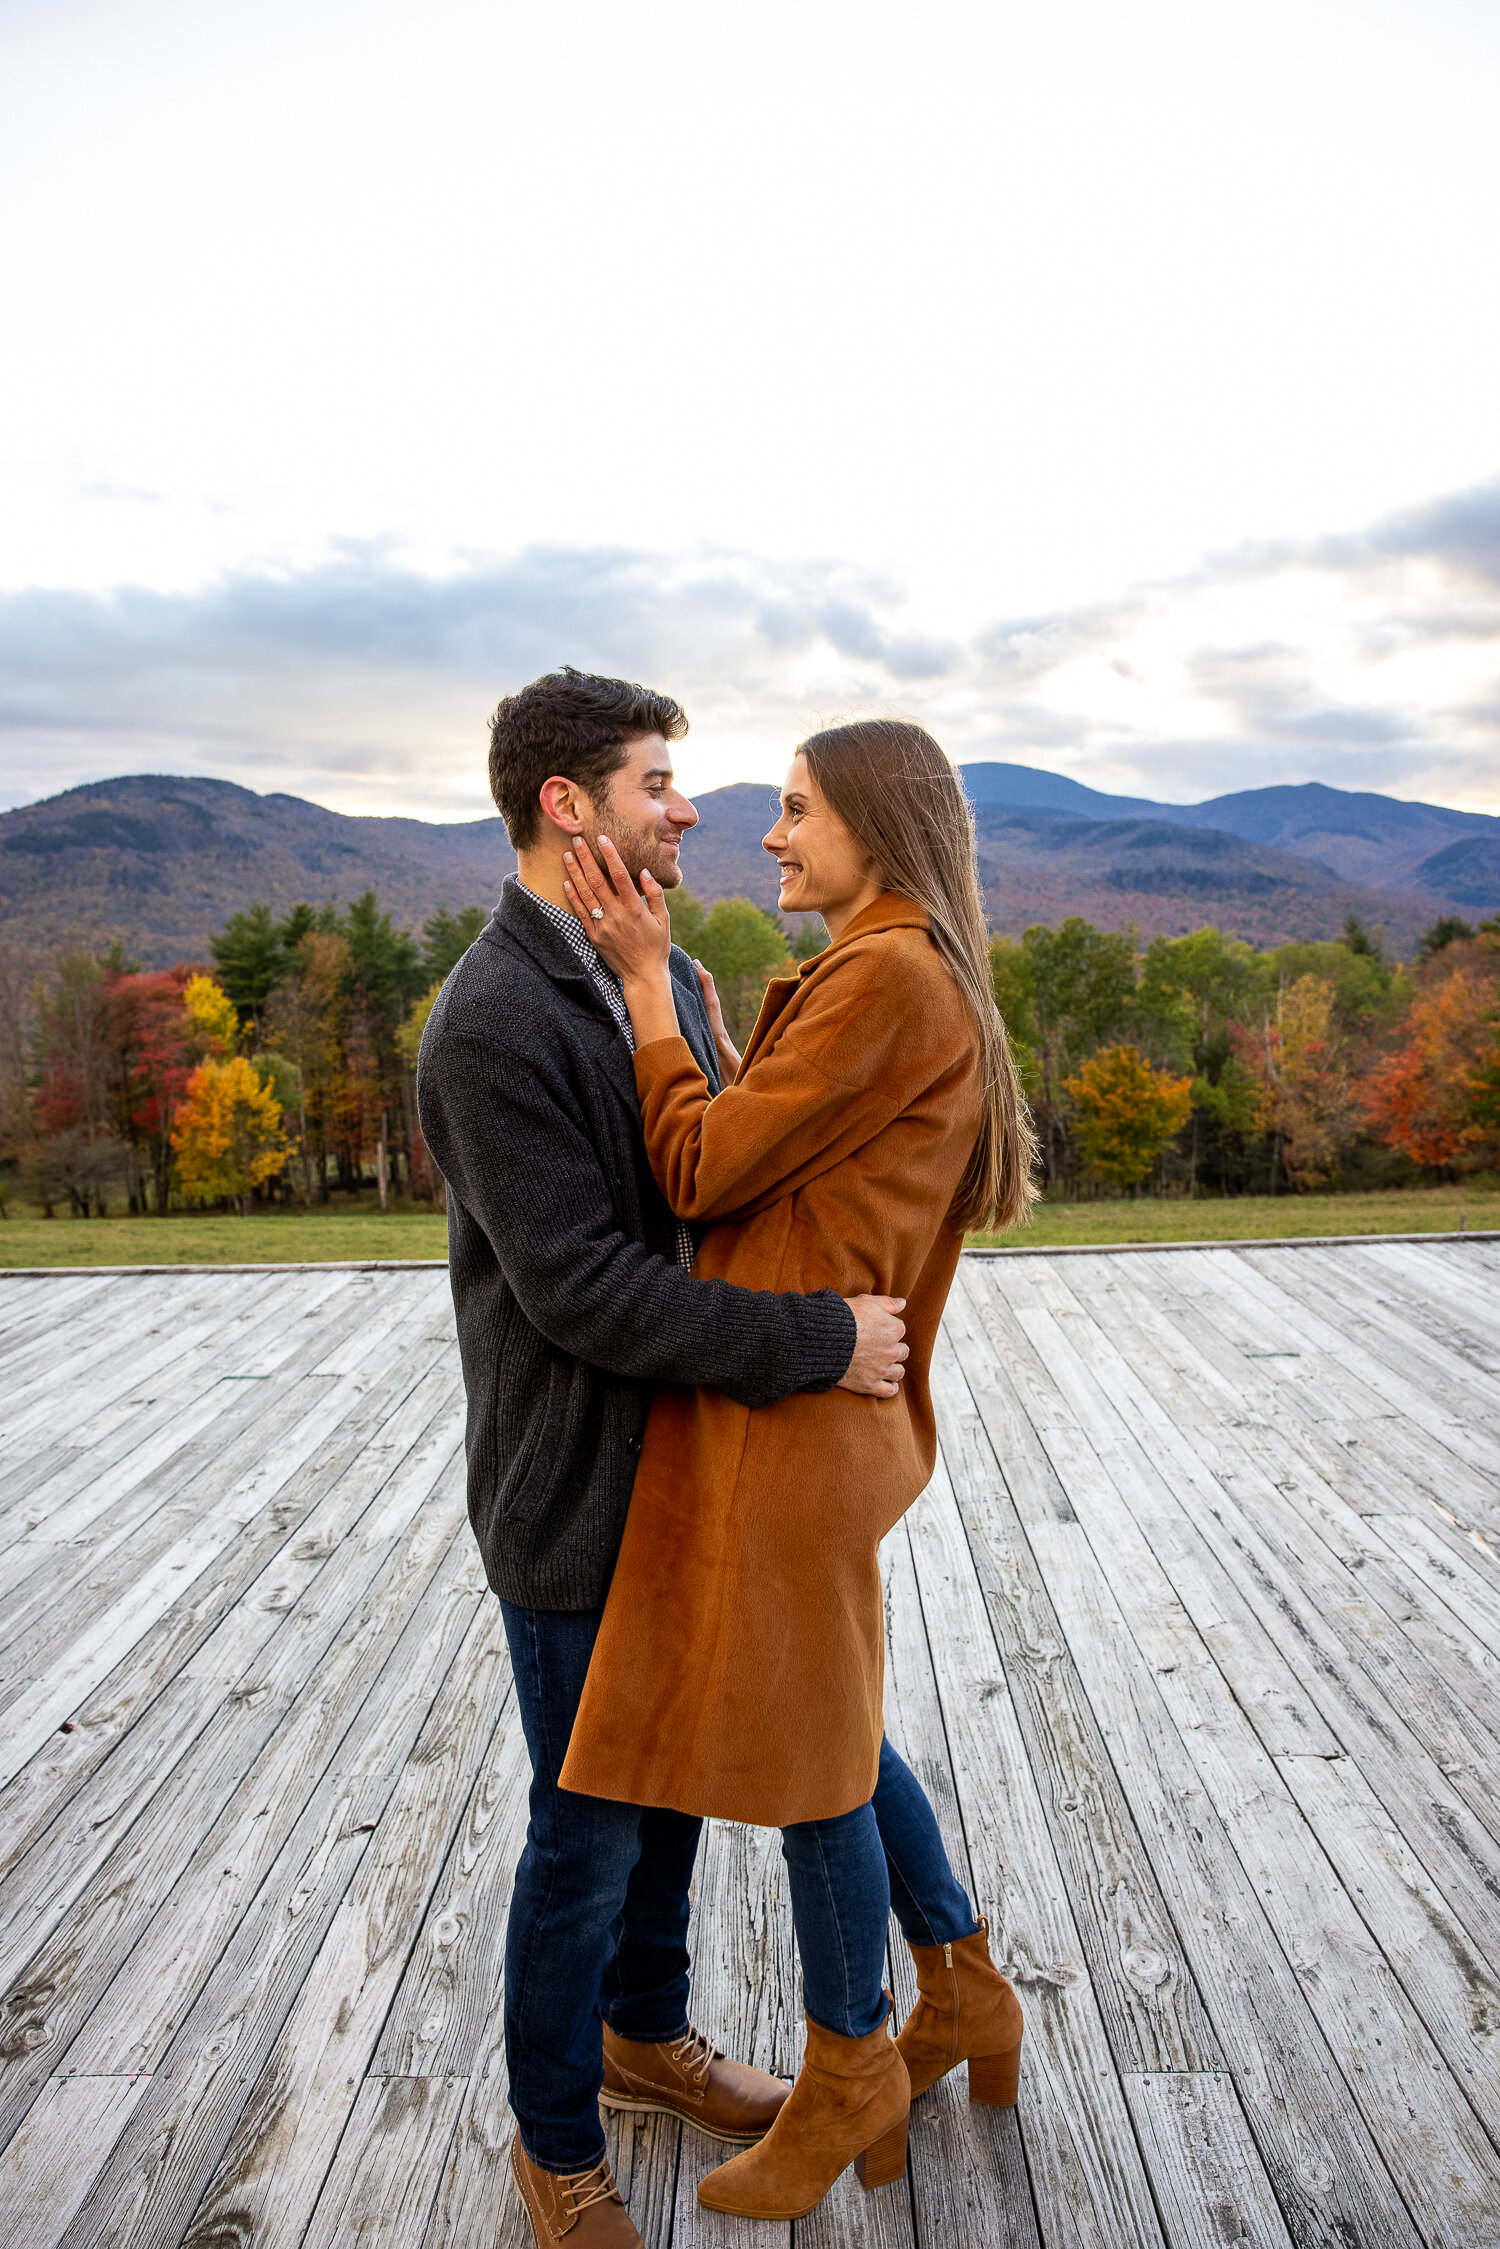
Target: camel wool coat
{"type": "Point", "coordinates": [740, 1662]}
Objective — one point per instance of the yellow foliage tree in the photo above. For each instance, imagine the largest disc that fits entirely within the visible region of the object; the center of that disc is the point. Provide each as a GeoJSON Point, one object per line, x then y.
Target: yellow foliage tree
{"type": "Point", "coordinates": [213, 1024]}
{"type": "Point", "coordinates": [1126, 1112]}
{"type": "Point", "coordinates": [408, 1039]}
{"type": "Point", "coordinates": [227, 1133]}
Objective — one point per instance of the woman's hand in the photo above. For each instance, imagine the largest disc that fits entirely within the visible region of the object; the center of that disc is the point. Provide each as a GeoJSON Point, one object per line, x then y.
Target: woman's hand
{"type": "Point", "coordinates": [729, 1053]}
{"type": "Point", "coordinates": [631, 931]}
{"type": "Point", "coordinates": [629, 926]}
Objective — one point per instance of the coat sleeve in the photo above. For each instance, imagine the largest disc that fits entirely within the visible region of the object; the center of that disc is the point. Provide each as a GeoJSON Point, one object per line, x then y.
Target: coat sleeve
{"type": "Point", "coordinates": [849, 1063]}
{"type": "Point", "coordinates": [592, 1290]}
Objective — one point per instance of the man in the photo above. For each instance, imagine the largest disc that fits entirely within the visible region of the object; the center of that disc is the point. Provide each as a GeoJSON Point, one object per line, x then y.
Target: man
{"type": "Point", "coordinates": [573, 1296]}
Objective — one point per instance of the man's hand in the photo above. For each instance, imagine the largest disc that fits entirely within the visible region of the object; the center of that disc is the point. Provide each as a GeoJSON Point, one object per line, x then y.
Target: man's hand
{"type": "Point", "coordinates": [877, 1367]}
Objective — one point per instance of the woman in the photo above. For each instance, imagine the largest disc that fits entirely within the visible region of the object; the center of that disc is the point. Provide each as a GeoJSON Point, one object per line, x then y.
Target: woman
{"type": "Point", "coordinates": [739, 1665]}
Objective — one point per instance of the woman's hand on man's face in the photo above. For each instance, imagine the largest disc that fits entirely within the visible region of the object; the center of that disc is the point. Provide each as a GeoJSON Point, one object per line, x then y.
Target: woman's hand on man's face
{"type": "Point", "coordinates": [630, 927]}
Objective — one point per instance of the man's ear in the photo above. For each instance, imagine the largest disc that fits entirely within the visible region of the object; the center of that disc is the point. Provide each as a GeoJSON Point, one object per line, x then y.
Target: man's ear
{"type": "Point", "coordinates": [564, 804]}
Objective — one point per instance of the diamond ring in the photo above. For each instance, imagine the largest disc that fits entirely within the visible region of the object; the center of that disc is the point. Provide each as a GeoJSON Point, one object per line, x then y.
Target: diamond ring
{"type": "Point", "coordinates": [598, 913]}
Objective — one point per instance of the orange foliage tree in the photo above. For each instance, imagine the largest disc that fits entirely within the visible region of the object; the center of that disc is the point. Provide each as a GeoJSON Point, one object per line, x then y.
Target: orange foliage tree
{"type": "Point", "coordinates": [1126, 1112]}
{"type": "Point", "coordinates": [1433, 1098]}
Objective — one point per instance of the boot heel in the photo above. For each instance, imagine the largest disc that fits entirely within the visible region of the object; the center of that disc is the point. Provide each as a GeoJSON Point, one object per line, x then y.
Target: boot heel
{"type": "Point", "coordinates": [885, 2161]}
{"type": "Point", "coordinates": [995, 2079]}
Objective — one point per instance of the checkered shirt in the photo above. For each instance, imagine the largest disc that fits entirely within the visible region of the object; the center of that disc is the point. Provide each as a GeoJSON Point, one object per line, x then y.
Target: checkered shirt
{"type": "Point", "coordinates": [612, 992]}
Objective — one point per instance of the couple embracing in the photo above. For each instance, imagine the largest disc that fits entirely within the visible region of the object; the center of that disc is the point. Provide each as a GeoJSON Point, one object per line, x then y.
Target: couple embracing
{"type": "Point", "coordinates": [697, 1295]}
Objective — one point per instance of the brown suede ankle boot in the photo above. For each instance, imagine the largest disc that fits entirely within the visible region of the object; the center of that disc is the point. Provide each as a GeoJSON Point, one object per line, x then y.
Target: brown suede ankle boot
{"type": "Point", "coordinates": [848, 2106]}
{"type": "Point", "coordinates": [965, 2011]}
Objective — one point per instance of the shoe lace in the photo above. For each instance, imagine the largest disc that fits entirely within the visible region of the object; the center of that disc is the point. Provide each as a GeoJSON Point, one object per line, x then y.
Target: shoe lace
{"type": "Point", "coordinates": [695, 2054]}
{"type": "Point", "coordinates": [584, 2188]}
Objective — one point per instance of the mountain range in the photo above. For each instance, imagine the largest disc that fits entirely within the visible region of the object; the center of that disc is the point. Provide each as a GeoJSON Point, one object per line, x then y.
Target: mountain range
{"type": "Point", "coordinates": [160, 862]}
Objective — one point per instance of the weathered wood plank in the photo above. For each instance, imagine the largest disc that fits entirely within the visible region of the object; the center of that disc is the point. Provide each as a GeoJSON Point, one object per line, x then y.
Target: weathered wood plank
{"type": "Point", "coordinates": [48, 1881]}
{"type": "Point", "coordinates": [187, 1880]}
{"type": "Point", "coordinates": [356, 1716]}
{"type": "Point", "coordinates": [88, 1660]}
{"type": "Point", "coordinates": [1294, 1322]}
{"type": "Point", "coordinates": [1141, 1977]}
{"type": "Point", "coordinates": [256, 1592]}
{"type": "Point", "coordinates": [1246, 1700]}
{"type": "Point", "coordinates": [146, 2192]}
{"type": "Point", "coordinates": [1414, 1738]}
{"type": "Point", "coordinates": [1350, 1500]}
{"type": "Point", "coordinates": [285, 2139]}
{"type": "Point", "coordinates": [445, 2012]}
{"type": "Point", "coordinates": [1318, 1925]}
{"type": "Point", "coordinates": [57, 1388]}
{"type": "Point", "coordinates": [476, 2206]}
{"type": "Point", "coordinates": [1452, 1989]}
{"type": "Point", "coordinates": [1080, 2150]}
{"type": "Point", "coordinates": [155, 1422]}
{"type": "Point", "coordinates": [1367, 1317]}
{"type": "Point", "coordinates": [967, 2165]}
{"type": "Point", "coordinates": [54, 2159]}
{"type": "Point", "coordinates": [1192, 1597]}
{"type": "Point", "coordinates": [1330, 2180]}
{"type": "Point", "coordinates": [1210, 2185]}
{"type": "Point", "coordinates": [1312, 1399]}
{"type": "Point", "coordinates": [384, 2181]}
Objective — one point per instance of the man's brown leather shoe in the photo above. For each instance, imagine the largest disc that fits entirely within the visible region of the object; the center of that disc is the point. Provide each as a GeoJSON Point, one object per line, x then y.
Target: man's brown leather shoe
{"type": "Point", "coordinates": [582, 2208]}
{"type": "Point", "coordinates": [690, 2078]}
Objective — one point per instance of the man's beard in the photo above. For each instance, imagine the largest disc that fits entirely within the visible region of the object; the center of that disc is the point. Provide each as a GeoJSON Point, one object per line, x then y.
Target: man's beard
{"type": "Point", "coordinates": [644, 851]}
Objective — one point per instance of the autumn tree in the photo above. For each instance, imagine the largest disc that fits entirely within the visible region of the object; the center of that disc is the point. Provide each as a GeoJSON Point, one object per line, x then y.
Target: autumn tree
{"type": "Point", "coordinates": [227, 1133]}
{"type": "Point", "coordinates": [1126, 1112]}
{"type": "Point", "coordinates": [426, 1179]}
{"type": "Point", "coordinates": [1433, 1096]}
{"type": "Point", "coordinates": [213, 1019]}
{"type": "Point", "coordinates": [306, 1021]}
{"type": "Point", "coordinates": [21, 972]}
{"type": "Point", "coordinates": [1064, 992]}
{"type": "Point", "coordinates": [1307, 1103]}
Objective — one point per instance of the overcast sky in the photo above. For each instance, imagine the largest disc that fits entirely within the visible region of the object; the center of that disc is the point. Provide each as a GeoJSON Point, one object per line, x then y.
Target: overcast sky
{"type": "Point", "coordinates": [1112, 386]}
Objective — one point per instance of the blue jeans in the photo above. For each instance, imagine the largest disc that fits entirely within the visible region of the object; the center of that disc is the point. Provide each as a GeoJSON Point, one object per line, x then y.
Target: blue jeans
{"type": "Point", "coordinates": [598, 1916]}
{"type": "Point", "coordinates": [847, 1875]}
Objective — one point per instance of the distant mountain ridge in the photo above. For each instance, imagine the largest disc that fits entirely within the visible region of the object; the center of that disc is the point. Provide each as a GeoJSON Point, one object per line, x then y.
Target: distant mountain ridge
{"type": "Point", "coordinates": [1356, 834]}
{"type": "Point", "coordinates": [160, 861]}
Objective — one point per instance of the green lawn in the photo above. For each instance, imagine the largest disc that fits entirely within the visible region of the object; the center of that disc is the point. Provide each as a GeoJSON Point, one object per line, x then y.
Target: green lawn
{"type": "Point", "coordinates": [293, 1237]}
{"type": "Point", "coordinates": [1240, 1218]}
{"type": "Point", "coordinates": [321, 1237]}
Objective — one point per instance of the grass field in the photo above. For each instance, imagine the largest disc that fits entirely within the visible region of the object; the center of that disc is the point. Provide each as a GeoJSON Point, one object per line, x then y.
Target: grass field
{"type": "Point", "coordinates": [325, 1237]}
{"type": "Point", "coordinates": [1241, 1218]}
{"type": "Point", "coordinates": [292, 1237]}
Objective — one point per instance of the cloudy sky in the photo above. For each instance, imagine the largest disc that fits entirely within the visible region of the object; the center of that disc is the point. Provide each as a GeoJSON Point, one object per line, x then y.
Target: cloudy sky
{"type": "Point", "coordinates": [1114, 387]}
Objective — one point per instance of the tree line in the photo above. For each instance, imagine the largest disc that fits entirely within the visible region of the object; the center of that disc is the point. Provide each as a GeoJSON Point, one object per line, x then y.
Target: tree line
{"type": "Point", "coordinates": [1207, 1066]}
{"type": "Point", "coordinates": [283, 1069]}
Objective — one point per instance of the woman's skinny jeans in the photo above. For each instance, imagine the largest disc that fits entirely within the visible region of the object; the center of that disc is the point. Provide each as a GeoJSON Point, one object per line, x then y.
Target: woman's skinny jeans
{"type": "Point", "coordinates": [846, 1876]}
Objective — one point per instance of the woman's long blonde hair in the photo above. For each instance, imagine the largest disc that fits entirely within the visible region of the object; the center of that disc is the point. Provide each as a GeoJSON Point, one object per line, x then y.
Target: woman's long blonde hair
{"type": "Point", "coordinates": [895, 791]}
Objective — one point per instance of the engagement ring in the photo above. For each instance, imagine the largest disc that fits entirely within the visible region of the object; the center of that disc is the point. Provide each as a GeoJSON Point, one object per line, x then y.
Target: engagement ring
{"type": "Point", "coordinates": [598, 913]}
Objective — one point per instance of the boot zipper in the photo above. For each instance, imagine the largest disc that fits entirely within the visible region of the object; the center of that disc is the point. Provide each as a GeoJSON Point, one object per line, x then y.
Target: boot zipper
{"type": "Point", "coordinates": [953, 1981]}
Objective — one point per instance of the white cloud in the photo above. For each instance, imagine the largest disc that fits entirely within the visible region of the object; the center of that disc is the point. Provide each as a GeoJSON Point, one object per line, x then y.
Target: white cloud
{"type": "Point", "coordinates": [1368, 662]}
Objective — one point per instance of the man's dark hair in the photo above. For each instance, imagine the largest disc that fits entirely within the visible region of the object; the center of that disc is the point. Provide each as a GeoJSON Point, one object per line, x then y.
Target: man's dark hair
{"type": "Point", "coordinates": [575, 724]}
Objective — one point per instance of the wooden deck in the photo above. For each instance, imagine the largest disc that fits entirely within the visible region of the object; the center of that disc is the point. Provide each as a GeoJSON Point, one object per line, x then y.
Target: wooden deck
{"type": "Point", "coordinates": [1195, 1640]}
